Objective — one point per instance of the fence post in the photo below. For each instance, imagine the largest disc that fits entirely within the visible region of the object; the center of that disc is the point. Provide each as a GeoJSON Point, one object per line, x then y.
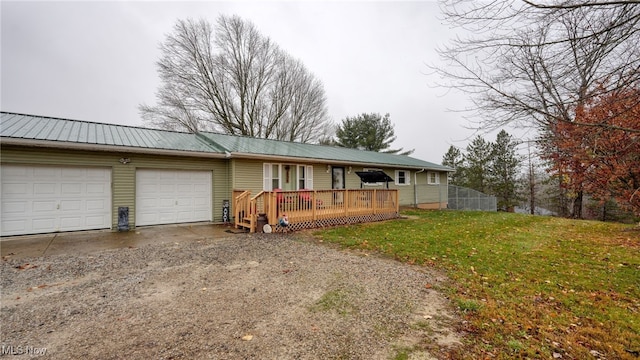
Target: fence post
{"type": "Point", "coordinates": [313, 205]}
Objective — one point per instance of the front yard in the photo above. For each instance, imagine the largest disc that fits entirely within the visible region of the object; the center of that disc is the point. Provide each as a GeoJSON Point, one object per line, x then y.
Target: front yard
{"type": "Point", "coordinates": [526, 287]}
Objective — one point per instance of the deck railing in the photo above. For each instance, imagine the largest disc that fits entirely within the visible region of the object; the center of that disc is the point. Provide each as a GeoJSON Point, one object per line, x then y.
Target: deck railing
{"type": "Point", "coordinates": [242, 209]}
{"type": "Point", "coordinates": [311, 206]}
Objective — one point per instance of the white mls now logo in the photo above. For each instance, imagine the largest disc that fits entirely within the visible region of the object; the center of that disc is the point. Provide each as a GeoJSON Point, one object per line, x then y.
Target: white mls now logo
{"type": "Point", "coordinates": [22, 350]}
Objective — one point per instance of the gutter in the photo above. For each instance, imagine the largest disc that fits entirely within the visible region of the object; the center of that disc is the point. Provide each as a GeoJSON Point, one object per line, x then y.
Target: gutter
{"type": "Point", "coordinates": [107, 148]}
{"type": "Point", "coordinates": [284, 158]}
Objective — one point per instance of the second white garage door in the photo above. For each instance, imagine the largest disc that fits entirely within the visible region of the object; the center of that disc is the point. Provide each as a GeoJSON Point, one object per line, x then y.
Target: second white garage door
{"type": "Point", "coordinates": [172, 196]}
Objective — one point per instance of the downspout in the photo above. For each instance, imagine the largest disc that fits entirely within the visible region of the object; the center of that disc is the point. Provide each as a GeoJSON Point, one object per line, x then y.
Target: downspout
{"type": "Point", "coordinates": [415, 189]}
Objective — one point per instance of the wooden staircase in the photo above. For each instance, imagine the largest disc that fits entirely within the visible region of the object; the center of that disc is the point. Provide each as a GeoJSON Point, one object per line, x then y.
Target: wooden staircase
{"type": "Point", "coordinates": [244, 217]}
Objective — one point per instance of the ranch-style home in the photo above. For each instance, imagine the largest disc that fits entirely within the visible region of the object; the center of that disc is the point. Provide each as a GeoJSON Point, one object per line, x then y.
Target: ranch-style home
{"type": "Point", "coordinates": [67, 175]}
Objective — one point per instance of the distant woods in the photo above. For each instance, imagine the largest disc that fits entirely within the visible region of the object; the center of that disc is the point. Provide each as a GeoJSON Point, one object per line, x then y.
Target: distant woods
{"type": "Point", "coordinates": [230, 78]}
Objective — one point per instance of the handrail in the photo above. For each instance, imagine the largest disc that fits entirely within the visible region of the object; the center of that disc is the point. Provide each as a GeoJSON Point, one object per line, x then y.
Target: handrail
{"type": "Point", "coordinates": [256, 206]}
{"type": "Point", "coordinates": [241, 206]}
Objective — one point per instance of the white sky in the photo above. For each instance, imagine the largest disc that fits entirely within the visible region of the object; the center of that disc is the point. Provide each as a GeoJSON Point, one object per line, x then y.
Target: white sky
{"type": "Point", "coordinates": [95, 61]}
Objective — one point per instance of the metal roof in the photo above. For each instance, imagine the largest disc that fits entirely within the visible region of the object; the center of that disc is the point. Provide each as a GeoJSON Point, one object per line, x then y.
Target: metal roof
{"type": "Point", "coordinates": [65, 131]}
{"type": "Point", "coordinates": [252, 146]}
{"type": "Point", "coordinates": [30, 127]}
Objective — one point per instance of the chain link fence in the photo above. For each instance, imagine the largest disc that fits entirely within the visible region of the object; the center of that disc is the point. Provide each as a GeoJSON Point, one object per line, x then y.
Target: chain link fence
{"type": "Point", "coordinates": [462, 198]}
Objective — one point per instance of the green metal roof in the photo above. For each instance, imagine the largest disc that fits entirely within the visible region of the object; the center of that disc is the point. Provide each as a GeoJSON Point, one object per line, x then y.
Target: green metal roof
{"type": "Point", "coordinates": [30, 127]}
{"type": "Point", "coordinates": [248, 145]}
{"type": "Point", "coordinates": [64, 131]}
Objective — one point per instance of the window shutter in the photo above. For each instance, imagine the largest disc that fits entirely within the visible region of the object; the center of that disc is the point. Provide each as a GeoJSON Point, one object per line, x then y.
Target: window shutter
{"type": "Point", "coordinates": [266, 177]}
{"type": "Point", "coordinates": [309, 179]}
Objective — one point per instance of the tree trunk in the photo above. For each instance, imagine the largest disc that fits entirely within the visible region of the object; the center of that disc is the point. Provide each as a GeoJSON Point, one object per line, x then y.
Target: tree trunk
{"type": "Point", "coordinates": [577, 206]}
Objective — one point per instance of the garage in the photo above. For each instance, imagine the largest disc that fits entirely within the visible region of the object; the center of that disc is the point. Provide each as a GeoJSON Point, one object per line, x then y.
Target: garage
{"type": "Point", "coordinates": [44, 199]}
{"type": "Point", "coordinates": [172, 196]}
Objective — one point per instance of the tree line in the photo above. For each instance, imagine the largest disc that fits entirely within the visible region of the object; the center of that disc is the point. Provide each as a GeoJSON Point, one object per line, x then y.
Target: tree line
{"type": "Point", "coordinates": [490, 167]}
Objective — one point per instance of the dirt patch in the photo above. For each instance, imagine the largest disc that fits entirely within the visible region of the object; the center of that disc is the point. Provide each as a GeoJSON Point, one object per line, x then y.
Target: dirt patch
{"type": "Point", "coordinates": [246, 296]}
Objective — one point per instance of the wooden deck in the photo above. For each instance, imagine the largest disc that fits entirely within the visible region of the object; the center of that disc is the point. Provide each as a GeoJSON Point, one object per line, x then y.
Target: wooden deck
{"type": "Point", "coordinates": [313, 208]}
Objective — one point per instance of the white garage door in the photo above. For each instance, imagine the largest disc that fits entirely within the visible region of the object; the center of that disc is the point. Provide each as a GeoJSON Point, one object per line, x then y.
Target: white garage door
{"type": "Point", "coordinates": [172, 196]}
{"type": "Point", "coordinates": [43, 199]}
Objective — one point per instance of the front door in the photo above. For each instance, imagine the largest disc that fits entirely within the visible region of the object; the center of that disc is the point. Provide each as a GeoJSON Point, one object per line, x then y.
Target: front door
{"type": "Point", "coordinates": [289, 177]}
{"type": "Point", "coordinates": [337, 183]}
{"type": "Point", "coordinates": [337, 178]}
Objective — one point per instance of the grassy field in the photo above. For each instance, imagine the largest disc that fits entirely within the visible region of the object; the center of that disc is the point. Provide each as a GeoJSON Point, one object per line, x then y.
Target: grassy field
{"type": "Point", "coordinates": [525, 286]}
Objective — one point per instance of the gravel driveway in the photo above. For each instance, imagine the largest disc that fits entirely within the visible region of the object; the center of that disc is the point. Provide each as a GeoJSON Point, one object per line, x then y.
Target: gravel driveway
{"type": "Point", "coordinates": [246, 296]}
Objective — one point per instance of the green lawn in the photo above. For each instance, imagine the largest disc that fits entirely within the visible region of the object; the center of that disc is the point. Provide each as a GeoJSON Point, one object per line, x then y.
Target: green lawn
{"type": "Point", "coordinates": [526, 286]}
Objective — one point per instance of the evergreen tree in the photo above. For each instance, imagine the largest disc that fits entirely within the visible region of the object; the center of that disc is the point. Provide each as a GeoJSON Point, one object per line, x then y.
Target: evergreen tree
{"type": "Point", "coordinates": [503, 171]}
{"type": "Point", "coordinates": [454, 159]}
{"type": "Point", "coordinates": [477, 161]}
{"type": "Point", "coordinates": [368, 132]}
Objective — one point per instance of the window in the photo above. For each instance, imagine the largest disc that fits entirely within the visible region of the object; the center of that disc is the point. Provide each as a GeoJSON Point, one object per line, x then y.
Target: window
{"type": "Point", "coordinates": [433, 178]}
{"type": "Point", "coordinates": [372, 184]}
{"type": "Point", "coordinates": [270, 176]}
{"type": "Point", "coordinates": [403, 177]}
{"type": "Point", "coordinates": [275, 176]}
{"type": "Point", "coordinates": [305, 177]}
{"type": "Point", "coordinates": [273, 179]}
{"type": "Point", "coordinates": [301, 177]}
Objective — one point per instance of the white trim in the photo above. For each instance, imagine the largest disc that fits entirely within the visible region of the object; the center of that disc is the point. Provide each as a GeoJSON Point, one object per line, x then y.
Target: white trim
{"type": "Point", "coordinates": [266, 177]}
{"type": "Point", "coordinates": [407, 177]}
{"type": "Point", "coordinates": [108, 148]}
{"type": "Point", "coordinates": [437, 177]}
{"type": "Point", "coordinates": [308, 177]}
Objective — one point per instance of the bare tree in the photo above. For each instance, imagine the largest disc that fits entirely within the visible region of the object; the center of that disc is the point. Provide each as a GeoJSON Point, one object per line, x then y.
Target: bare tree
{"type": "Point", "coordinates": [533, 64]}
{"type": "Point", "coordinates": [234, 80]}
{"type": "Point", "coordinates": [303, 118]}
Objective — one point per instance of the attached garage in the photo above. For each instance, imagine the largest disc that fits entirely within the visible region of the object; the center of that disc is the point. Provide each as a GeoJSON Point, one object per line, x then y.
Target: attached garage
{"type": "Point", "coordinates": [43, 199]}
{"type": "Point", "coordinates": [172, 196]}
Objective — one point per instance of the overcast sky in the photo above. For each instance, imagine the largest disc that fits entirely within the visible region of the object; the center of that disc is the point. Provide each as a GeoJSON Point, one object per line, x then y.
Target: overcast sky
{"type": "Point", "coordinates": [95, 61]}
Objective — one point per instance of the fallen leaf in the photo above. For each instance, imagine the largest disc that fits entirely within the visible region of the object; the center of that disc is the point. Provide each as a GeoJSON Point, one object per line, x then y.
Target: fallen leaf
{"type": "Point", "coordinates": [247, 337]}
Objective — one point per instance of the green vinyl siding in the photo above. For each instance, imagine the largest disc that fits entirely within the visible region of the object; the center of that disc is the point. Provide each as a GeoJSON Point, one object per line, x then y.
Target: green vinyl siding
{"type": "Point", "coordinates": [221, 187]}
{"type": "Point", "coordinates": [123, 177]}
{"type": "Point", "coordinates": [123, 187]}
{"type": "Point", "coordinates": [321, 179]}
{"type": "Point", "coordinates": [247, 175]}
